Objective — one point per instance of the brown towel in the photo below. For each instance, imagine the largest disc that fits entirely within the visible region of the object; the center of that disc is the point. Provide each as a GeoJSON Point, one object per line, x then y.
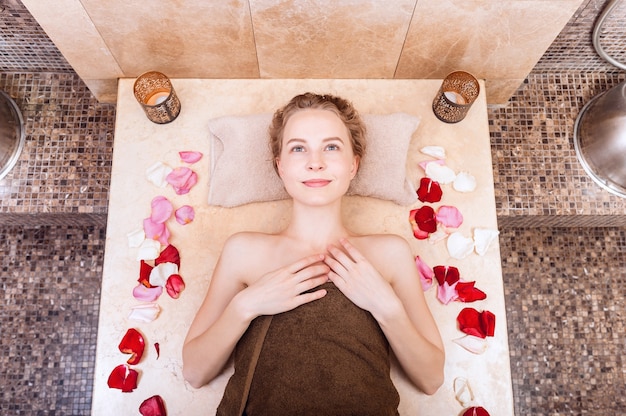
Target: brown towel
{"type": "Point", "coordinates": [328, 357]}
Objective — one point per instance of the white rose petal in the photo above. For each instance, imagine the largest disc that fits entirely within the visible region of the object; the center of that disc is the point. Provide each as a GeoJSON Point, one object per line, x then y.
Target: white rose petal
{"type": "Point", "coordinates": [437, 152]}
{"type": "Point", "coordinates": [147, 312]}
{"type": "Point", "coordinates": [459, 246]}
{"type": "Point", "coordinates": [161, 272]}
{"type": "Point", "coordinates": [473, 344]}
{"type": "Point", "coordinates": [483, 237]}
{"type": "Point", "coordinates": [149, 249]}
{"type": "Point", "coordinates": [440, 173]}
{"type": "Point", "coordinates": [437, 236]}
{"type": "Point", "coordinates": [463, 392]}
{"type": "Point", "coordinates": [464, 182]}
{"type": "Point", "coordinates": [135, 238]}
{"type": "Point", "coordinates": [157, 173]}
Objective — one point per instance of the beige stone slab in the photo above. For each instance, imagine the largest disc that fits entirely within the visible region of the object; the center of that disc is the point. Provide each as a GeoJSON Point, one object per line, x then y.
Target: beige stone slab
{"type": "Point", "coordinates": [192, 39]}
{"type": "Point", "coordinates": [140, 143]}
{"type": "Point", "coordinates": [329, 39]}
{"type": "Point", "coordinates": [493, 39]}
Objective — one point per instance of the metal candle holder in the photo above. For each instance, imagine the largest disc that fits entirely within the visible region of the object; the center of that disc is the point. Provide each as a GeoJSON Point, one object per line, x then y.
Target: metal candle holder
{"type": "Point", "coordinates": [156, 95]}
{"type": "Point", "coordinates": [456, 95]}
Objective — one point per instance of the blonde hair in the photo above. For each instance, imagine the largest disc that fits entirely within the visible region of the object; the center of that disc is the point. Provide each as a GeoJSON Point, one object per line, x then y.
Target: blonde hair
{"type": "Point", "coordinates": [341, 107]}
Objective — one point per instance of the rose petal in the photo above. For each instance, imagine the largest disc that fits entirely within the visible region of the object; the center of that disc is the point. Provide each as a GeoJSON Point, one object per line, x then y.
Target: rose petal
{"type": "Point", "coordinates": [476, 411]}
{"type": "Point", "coordinates": [425, 273]}
{"type": "Point", "coordinates": [449, 216]}
{"type": "Point", "coordinates": [483, 237]}
{"type": "Point", "coordinates": [132, 343]}
{"type": "Point", "coordinates": [147, 294]}
{"type": "Point", "coordinates": [462, 391]}
{"type": "Point", "coordinates": [146, 312]}
{"type": "Point", "coordinates": [190, 156]}
{"type": "Point", "coordinates": [468, 293]}
{"type": "Point", "coordinates": [440, 173]}
{"type": "Point", "coordinates": [417, 233]}
{"type": "Point", "coordinates": [144, 274]}
{"type": "Point", "coordinates": [157, 347]}
{"type": "Point", "coordinates": [169, 254]}
{"type": "Point", "coordinates": [156, 231]}
{"type": "Point", "coordinates": [425, 219]}
{"type": "Point", "coordinates": [149, 249]}
{"type": "Point", "coordinates": [425, 163]}
{"type": "Point", "coordinates": [449, 274]}
{"type": "Point", "coordinates": [174, 285]}
{"type": "Point", "coordinates": [157, 173]}
{"type": "Point", "coordinates": [437, 152]}
{"type": "Point", "coordinates": [479, 324]}
{"type": "Point", "coordinates": [464, 182]}
{"type": "Point", "coordinates": [124, 378]}
{"type": "Point", "coordinates": [185, 214]}
{"type": "Point", "coordinates": [161, 272]}
{"type": "Point", "coordinates": [473, 344]}
{"type": "Point", "coordinates": [459, 246]}
{"type": "Point", "coordinates": [135, 238]}
{"type": "Point", "coordinates": [153, 406]}
{"type": "Point", "coordinates": [182, 180]}
{"type": "Point", "coordinates": [429, 191]}
{"type": "Point", "coordinates": [437, 236]}
{"type": "Point", "coordinates": [161, 209]}
{"type": "Point", "coordinates": [446, 293]}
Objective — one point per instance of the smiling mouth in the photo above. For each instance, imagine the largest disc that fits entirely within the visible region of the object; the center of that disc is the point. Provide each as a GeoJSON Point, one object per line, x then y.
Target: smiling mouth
{"type": "Point", "coordinates": [316, 183]}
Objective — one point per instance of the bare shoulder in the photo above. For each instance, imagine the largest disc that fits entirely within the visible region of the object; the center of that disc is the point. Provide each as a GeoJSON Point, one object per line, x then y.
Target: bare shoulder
{"type": "Point", "coordinates": [390, 254]}
{"type": "Point", "coordinates": [245, 253]}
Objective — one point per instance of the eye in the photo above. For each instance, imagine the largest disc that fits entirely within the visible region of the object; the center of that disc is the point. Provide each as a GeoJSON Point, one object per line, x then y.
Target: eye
{"type": "Point", "coordinates": [297, 148]}
{"type": "Point", "coordinates": [332, 147]}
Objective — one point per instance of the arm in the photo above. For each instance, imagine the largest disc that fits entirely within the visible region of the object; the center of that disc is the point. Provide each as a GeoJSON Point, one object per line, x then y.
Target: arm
{"type": "Point", "coordinates": [233, 301]}
{"type": "Point", "coordinates": [398, 305]}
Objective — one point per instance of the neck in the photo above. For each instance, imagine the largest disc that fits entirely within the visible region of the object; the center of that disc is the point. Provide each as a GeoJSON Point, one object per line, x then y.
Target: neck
{"type": "Point", "coordinates": [316, 226]}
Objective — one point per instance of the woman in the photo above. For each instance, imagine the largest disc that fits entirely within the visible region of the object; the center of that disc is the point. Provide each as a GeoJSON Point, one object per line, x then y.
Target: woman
{"type": "Point", "coordinates": [338, 300]}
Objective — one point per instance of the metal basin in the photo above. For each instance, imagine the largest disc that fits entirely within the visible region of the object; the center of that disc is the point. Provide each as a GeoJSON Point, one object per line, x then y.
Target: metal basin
{"type": "Point", "coordinates": [600, 139]}
{"type": "Point", "coordinates": [11, 133]}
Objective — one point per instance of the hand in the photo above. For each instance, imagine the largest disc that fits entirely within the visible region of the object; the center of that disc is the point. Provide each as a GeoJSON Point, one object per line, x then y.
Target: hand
{"type": "Point", "coordinates": [357, 279]}
{"type": "Point", "coordinates": [283, 289]}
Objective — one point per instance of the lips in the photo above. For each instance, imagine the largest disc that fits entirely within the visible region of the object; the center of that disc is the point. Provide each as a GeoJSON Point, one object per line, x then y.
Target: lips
{"type": "Point", "coordinates": [316, 183]}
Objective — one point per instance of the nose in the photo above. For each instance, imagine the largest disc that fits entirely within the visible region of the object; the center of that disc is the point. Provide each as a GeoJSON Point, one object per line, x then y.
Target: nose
{"type": "Point", "coordinates": [316, 162]}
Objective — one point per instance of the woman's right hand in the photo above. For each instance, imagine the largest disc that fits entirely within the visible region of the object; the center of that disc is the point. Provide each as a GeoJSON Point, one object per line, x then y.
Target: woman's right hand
{"type": "Point", "coordinates": [286, 288]}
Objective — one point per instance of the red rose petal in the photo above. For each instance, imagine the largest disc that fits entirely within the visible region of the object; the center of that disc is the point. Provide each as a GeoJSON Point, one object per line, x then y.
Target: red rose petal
{"type": "Point", "coordinates": [429, 191]}
{"type": "Point", "coordinates": [468, 293]}
{"type": "Point", "coordinates": [174, 285]}
{"type": "Point", "coordinates": [157, 347]}
{"type": "Point", "coordinates": [124, 378]}
{"type": "Point", "coordinates": [448, 274]}
{"type": "Point", "coordinates": [144, 274]}
{"type": "Point", "coordinates": [478, 324]}
{"type": "Point", "coordinates": [426, 219]}
{"type": "Point", "coordinates": [132, 343]}
{"type": "Point", "coordinates": [476, 411]}
{"type": "Point", "coordinates": [169, 254]}
{"type": "Point", "coordinates": [153, 406]}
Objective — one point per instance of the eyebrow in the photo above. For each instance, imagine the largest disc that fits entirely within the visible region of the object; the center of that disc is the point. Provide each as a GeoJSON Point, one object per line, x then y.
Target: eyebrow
{"type": "Point", "coordinates": [327, 139]}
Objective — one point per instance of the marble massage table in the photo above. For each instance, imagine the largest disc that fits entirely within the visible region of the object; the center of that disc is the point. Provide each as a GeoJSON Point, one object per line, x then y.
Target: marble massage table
{"type": "Point", "coordinates": [139, 144]}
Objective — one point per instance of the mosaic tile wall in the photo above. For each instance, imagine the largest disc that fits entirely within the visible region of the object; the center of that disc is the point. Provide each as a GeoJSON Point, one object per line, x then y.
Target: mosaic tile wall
{"type": "Point", "coordinates": [563, 240]}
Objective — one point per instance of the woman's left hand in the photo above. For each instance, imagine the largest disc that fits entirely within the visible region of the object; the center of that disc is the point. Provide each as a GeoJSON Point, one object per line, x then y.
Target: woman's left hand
{"type": "Point", "coordinates": [358, 280]}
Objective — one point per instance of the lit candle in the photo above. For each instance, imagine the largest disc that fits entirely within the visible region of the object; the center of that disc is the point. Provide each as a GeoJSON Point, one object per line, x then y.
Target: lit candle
{"type": "Point", "coordinates": [455, 97]}
{"type": "Point", "coordinates": [157, 98]}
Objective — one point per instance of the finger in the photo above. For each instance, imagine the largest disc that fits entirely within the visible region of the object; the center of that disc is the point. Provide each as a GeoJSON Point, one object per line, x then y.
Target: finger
{"type": "Point", "coordinates": [312, 271]}
{"type": "Point", "coordinates": [352, 250]}
{"type": "Point", "coordinates": [334, 264]}
{"type": "Point", "coordinates": [304, 263]}
{"type": "Point", "coordinates": [310, 297]}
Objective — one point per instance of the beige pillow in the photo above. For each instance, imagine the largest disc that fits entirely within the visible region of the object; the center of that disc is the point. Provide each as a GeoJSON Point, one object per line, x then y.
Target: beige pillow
{"type": "Point", "coordinates": [242, 171]}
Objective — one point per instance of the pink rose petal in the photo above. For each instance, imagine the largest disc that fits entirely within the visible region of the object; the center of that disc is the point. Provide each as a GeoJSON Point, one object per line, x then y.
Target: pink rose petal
{"type": "Point", "coordinates": [156, 231]}
{"type": "Point", "coordinates": [185, 214]}
{"type": "Point", "coordinates": [449, 216]}
{"type": "Point", "coordinates": [147, 294]}
{"type": "Point", "coordinates": [190, 156]}
{"type": "Point", "coordinates": [161, 209]}
{"type": "Point", "coordinates": [425, 273]}
{"type": "Point", "coordinates": [447, 293]}
{"type": "Point", "coordinates": [426, 162]}
{"type": "Point", "coordinates": [182, 180]}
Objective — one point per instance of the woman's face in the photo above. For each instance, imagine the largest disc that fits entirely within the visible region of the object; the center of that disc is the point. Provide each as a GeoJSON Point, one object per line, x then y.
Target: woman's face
{"type": "Point", "coordinates": [316, 161]}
